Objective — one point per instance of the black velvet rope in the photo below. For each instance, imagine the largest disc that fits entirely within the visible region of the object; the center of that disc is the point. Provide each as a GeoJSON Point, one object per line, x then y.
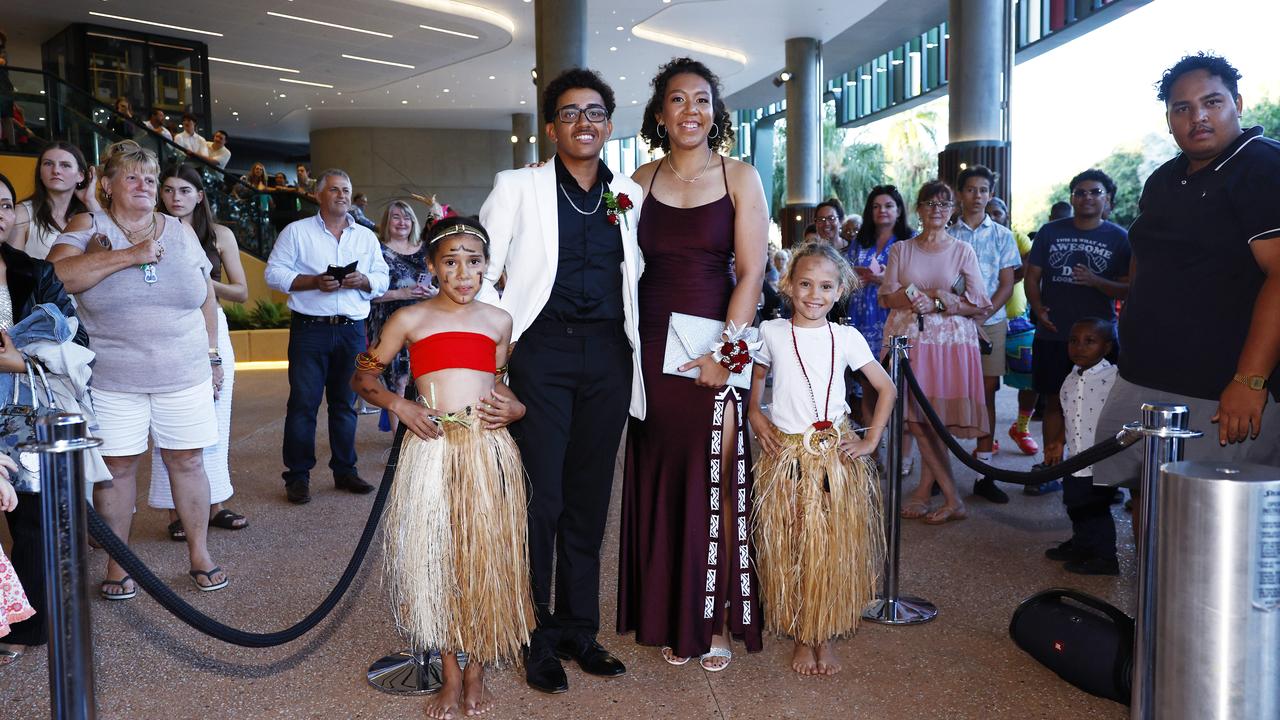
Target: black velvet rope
{"type": "Point", "coordinates": [168, 599]}
{"type": "Point", "coordinates": [1097, 453]}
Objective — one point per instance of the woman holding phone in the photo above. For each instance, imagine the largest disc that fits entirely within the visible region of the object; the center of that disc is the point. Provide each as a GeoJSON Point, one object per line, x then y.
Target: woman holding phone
{"type": "Point", "coordinates": [406, 258]}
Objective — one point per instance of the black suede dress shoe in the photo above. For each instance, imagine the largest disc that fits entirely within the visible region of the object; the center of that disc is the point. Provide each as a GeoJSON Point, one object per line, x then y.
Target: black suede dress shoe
{"type": "Point", "coordinates": [986, 488]}
{"type": "Point", "coordinates": [298, 492]}
{"type": "Point", "coordinates": [1093, 566]}
{"type": "Point", "coordinates": [591, 656]}
{"type": "Point", "coordinates": [352, 484]}
{"type": "Point", "coordinates": [543, 671]}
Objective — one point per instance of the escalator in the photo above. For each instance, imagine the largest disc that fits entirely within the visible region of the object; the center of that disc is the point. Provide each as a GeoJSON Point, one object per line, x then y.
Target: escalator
{"type": "Point", "coordinates": [52, 109]}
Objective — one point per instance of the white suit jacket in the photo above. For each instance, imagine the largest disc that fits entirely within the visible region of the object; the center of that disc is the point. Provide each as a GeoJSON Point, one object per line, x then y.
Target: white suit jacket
{"type": "Point", "coordinates": [522, 218]}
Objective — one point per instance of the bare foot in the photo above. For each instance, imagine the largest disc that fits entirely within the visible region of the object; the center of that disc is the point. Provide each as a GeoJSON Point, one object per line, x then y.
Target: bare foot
{"type": "Point", "coordinates": [803, 660]}
{"type": "Point", "coordinates": [828, 660]}
{"type": "Point", "coordinates": [447, 704]}
{"type": "Point", "coordinates": [476, 698]}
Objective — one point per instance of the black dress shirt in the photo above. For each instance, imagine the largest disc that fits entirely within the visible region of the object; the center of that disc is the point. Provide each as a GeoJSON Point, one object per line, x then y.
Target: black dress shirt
{"type": "Point", "coordinates": [588, 285]}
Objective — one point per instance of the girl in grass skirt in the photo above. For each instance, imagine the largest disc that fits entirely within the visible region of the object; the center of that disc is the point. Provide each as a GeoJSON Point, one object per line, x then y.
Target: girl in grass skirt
{"type": "Point", "coordinates": [456, 555]}
{"type": "Point", "coordinates": [817, 522]}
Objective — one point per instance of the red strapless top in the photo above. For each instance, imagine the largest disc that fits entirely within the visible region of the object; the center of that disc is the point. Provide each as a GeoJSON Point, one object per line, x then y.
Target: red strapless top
{"type": "Point", "coordinates": [468, 350]}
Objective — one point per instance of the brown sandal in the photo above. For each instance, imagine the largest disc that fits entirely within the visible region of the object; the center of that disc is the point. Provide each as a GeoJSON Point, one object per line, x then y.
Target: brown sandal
{"type": "Point", "coordinates": [915, 509]}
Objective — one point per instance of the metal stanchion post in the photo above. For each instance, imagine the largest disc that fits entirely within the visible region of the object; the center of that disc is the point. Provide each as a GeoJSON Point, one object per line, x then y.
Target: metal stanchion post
{"type": "Point", "coordinates": [61, 440]}
{"type": "Point", "coordinates": [1165, 428]}
{"type": "Point", "coordinates": [890, 608]}
{"type": "Point", "coordinates": [410, 672]}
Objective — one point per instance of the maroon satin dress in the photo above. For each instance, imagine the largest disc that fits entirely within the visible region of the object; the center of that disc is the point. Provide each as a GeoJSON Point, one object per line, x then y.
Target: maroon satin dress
{"type": "Point", "coordinates": [681, 568]}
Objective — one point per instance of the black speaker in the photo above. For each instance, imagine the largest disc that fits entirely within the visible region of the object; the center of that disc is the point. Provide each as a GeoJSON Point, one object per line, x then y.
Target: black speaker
{"type": "Point", "coordinates": [1085, 640]}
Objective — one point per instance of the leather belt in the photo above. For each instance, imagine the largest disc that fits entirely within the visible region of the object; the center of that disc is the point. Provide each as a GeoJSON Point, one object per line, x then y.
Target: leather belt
{"type": "Point", "coordinates": [323, 319]}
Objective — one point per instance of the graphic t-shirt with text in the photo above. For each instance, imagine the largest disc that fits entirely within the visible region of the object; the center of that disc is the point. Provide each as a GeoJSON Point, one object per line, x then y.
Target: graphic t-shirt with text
{"type": "Point", "coordinates": [1059, 247]}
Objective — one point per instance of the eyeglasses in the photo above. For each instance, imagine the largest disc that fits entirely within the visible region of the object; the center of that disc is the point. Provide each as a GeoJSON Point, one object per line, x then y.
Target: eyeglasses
{"type": "Point", "coordinates": [827, 219]}
{"type": "Point", "coordinates": [938, 205]}
{"type": "Point", "coordinates": [569, 114]}
{"type": "Point", "coordinates": [1087, 193]}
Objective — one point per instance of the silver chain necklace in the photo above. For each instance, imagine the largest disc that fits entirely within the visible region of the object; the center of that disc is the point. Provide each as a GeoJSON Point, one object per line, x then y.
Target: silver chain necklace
{"type": "Point", "coordinates": [575, 207]}
{"type": "Point", "coordinates": [695, 179]}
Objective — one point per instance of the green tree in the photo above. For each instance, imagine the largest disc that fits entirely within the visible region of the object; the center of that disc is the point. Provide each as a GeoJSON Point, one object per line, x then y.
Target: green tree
{"type": "Point", "coordinates": [849, 168]}
{"type": "Point", "coordinates": [1265, 112]}
{"type": "Point", "coordinates": [911, 151]}
{"type": "Point", "coordinates": [1123, 167]}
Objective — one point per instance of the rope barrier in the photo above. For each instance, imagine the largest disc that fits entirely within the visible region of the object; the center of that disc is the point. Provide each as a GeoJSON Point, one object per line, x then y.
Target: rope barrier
{"type": "Point", "coordinates": [1099, 452]}
{"type": "Point", "coordinates": [169, 600]}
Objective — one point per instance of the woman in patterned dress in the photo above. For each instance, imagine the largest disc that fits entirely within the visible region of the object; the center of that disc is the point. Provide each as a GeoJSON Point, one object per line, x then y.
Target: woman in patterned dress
{"type": "Point", "coordinates": [406, 259]}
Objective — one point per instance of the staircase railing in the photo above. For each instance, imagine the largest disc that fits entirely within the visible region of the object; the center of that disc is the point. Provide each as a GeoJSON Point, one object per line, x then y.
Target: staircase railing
{"type": "Point", "coordinates": [53, 109]}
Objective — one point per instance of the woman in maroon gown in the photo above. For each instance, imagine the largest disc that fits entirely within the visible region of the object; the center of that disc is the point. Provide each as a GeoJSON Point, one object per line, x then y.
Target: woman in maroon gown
{"type": "Point", "coordinates": [687, 567]}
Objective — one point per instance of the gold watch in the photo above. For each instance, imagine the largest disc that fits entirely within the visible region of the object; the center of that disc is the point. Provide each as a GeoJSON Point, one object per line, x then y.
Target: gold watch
{"type": "Point", "coordinates": [1253, 382]}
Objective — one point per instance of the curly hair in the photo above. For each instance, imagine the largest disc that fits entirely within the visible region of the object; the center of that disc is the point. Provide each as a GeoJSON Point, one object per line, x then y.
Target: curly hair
{"type": "Point", "coordinates": [1097, 176]}
{"type": "Point", "coordinates": [1215, 65]}
{"type": "Point", "coordinates": [721, 140]}
{"type": "Point", "coordinates": [844, 271]}
{"type": "Point", "coordinates": [570, 79]}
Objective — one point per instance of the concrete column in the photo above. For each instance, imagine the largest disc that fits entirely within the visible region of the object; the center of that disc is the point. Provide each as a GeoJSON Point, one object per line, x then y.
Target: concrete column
{"type": "Point", "coordinates": [560, 28]}
{"type": "Point", "coordinates": [762, 158]}
{"type": "Point", "coordinates": [980, 56]}
{"type": "Point", "coordinates": [976, 65]}
{"type": "Point", "coordinates": [804, 122]}
{"type": "Point", "coordinates": [523, 128]}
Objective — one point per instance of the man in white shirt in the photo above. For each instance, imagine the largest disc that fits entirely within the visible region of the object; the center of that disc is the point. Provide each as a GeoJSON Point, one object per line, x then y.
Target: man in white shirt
{"type": "Point", "coordinates": [155, 124]}
{"type": "Point", "coordinates": [217, 151]}
{"type": "Point", "coordinates": [329, 306]}
{"type": "Point", "coordinates": [189, 139]}
{"type": "Point", "coordinates": [1000, 265]}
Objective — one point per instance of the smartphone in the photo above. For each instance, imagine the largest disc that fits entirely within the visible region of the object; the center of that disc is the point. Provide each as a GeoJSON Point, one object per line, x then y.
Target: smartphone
{"type": "Point", "coordinates": [912, 292]}
{"type": "Point", "coordinates": [424, 280]}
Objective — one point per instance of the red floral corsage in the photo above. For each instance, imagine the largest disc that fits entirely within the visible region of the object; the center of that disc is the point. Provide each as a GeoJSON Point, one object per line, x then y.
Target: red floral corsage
{"type": "Point", "coordinates": [616, 206]}
{"type": "Point", "coordinates": [734, 355]}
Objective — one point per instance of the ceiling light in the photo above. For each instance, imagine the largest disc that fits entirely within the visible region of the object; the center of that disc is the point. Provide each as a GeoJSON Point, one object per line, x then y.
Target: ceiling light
{"type": "Point", "coordinates": [445, 90]}
{"type": "Point", "coordinates": [328, 24]}
{"type": "Point", "coordinates": [688, 44]}
{"type": "Point", "coordinates": [233, 114]}
{"type": "Point", "coordinates": [466, 10]}
{"type": "Point", "coordinates": [895, 62]}
{"type": "Point", "coordinates": [282, 95]}
{"type": "Point", "coordinates": [380, 62]}
{"type": "Point", "coordinates": [849, 83]}
{"type": "Point", "coordinates": [865, 77]}
{"type": "Point", "coordinates": [249, 64]}
{"type": "Point", "coordinates": [493, 77]}
{"type": "Point", "coordinates": [155, 24]}
{"type": "Point", "coordinates": [514, 139]}
{"type": "Point", "coordinates": [533, 139]}
{"type": "Point", "coordinates": [449, 32]}
{"type": "Point", "coordinates": [619, 28]}
{"type": "Point", "coordinates": [931, 45]}
{"type": "Point", "coordinates": [781, 78]}
{"type": "Point", "coordinates": [304, 82]}
{"type": "Point", "coordinates": [613, 49]}
{"type": "Point", "coordinates": [522, 102]}
{"type": "Point", "coordinates": [879, 69]}
{"type": "Point", "coordinates": [622, 77]}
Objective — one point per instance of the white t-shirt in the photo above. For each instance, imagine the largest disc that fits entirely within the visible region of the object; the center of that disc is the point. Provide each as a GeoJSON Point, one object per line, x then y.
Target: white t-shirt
{"type": "Point", "coordinates": [192, 143]}
{"type": "Point", "coordinates": [792, 408]}
{"type": "Point", "coordinates": [219, 157]}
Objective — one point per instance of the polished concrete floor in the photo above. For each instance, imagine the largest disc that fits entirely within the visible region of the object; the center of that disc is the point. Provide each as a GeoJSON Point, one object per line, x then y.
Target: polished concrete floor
{"type": "Point", "coordinates": [961, 665]}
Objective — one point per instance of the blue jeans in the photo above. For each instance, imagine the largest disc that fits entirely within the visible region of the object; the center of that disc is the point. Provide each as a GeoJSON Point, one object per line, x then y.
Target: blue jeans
{"type": "Point", "coordinates": [322, 359]}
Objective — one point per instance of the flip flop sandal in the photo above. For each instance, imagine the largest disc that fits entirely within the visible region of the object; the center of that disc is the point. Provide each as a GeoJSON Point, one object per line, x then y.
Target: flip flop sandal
{"type": "Point", "coordinates": [669, 654]}
{"type": "Point", "coordinates": [943, 515]}
{"type": "Point", "coordinates": [176, 532]}
{"type": "Point", "coordinates": [208, 575]}
{"type": "Point", "coordinates": [123, 594]}
{"type": "Point", "coordinates": [915, 510]}
{"type": "Point", "coordinates": [9, 657]}
{"type": "Point", "coordinates": [227, 519]}
{"type": "Point", "coordinates": [716, 652]}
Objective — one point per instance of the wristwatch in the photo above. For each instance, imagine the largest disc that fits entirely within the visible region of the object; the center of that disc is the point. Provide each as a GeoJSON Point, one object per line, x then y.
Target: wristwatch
{"type": "Point", "coordinates": [1253, 382]}
{"type": "Point", "coordinates": [939, 305]}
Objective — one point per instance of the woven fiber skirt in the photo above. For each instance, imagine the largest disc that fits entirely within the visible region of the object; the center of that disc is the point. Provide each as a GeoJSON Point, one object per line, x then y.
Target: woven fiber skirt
{"type": "Point", "coordinates": [456, 554]}
{"type": "Point", "coordinates": [819, 540]}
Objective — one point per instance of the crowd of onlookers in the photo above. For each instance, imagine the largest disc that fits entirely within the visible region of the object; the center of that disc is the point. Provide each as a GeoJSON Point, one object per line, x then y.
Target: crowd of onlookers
{"type": "Point", "coordinates": [971, 293]}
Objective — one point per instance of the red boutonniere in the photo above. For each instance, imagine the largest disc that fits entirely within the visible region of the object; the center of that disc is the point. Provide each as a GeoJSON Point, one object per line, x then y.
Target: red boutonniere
{"type": "Point", "coordinates": [617, 206]}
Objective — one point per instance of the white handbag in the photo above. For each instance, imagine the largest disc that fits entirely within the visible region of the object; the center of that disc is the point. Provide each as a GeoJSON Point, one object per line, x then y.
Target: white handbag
{"type": "Point", "coordinates": [689, 337]}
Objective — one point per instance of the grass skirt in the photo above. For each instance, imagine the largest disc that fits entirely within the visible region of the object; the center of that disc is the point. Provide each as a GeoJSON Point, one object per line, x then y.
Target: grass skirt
{"type": "Point", "coordinates": [819, 540]}
{"type": "Point", "coordinates": [455, 547]}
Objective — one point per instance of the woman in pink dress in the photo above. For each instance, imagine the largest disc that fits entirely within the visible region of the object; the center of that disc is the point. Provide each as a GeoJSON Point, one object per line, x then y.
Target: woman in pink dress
{"type": "Point", "coordinates": [933, 278]}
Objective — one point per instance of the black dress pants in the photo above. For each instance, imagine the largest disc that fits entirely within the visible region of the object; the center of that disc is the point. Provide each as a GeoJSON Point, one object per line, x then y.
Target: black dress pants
{"type": "Point", "coordinates": [1089, 507]}
{"type": "Point", "coordinates": [575, 381]}
{"type": "Point", "coordinates": [25, 525]}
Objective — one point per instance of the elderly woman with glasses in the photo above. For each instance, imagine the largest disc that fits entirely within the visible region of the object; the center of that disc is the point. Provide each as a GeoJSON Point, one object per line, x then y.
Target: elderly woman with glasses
{"type": "Point", "coordinates": [933, 288]}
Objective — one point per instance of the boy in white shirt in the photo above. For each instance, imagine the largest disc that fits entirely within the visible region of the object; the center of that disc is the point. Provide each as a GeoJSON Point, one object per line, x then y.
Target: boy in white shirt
{"type": "Point", "coordinates": [189, 139]}
{"type": "Point", "coordinates": [1092, 547]}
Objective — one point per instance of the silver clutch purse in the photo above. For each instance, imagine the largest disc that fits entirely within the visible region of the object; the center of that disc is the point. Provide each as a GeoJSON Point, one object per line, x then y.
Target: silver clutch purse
{"type": "Point", "coordinates": [689, 337]}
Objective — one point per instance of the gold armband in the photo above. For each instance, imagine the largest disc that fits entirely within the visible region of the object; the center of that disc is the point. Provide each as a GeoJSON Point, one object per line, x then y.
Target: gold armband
{"type": "Point", "coordinates": [500, 371]}
{"type": "Point", "coordinates": [368, 363]}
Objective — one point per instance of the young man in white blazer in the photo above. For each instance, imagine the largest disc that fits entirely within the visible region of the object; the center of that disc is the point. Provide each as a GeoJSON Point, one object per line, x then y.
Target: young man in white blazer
{"type": "Point", "coordinates": [565, 235]}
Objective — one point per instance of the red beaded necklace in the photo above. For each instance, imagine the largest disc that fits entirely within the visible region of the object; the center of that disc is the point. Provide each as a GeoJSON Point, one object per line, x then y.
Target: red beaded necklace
{"type": "Point", "coordinates": [824, 423]}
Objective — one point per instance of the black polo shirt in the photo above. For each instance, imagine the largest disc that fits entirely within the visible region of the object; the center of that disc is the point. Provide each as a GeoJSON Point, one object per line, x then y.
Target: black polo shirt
{"type": "Point", "coordinates": [588, 285]}
{"type": "Point", "coordinates": [1192, 296]}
